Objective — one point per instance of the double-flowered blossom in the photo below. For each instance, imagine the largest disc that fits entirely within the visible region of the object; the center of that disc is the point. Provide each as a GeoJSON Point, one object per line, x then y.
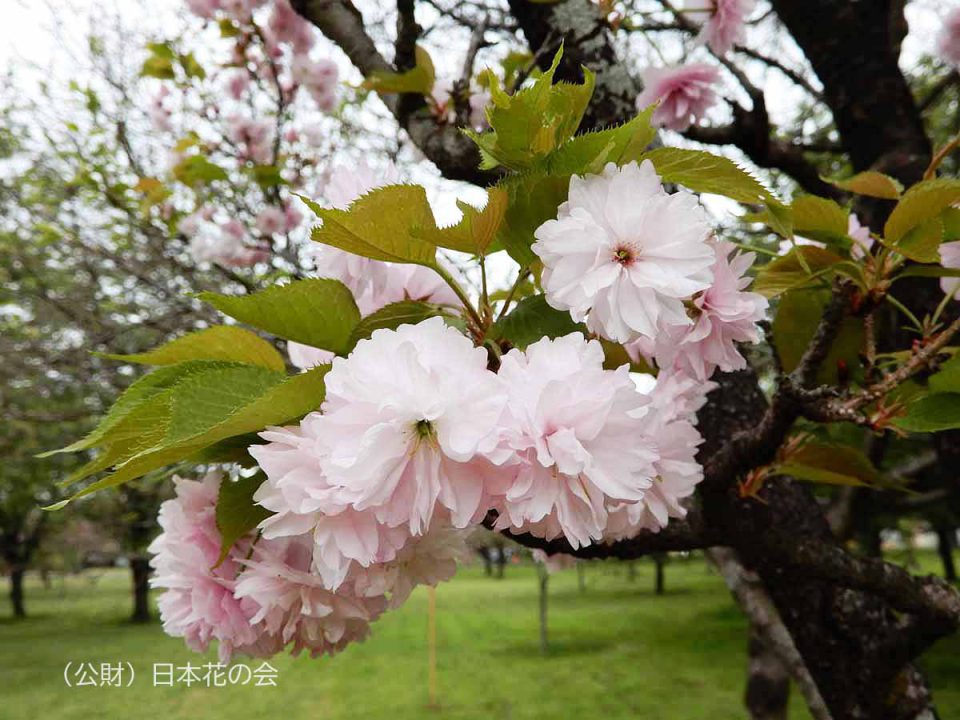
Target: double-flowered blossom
{"type": "Point", "coordinates": [403, 445]}
{"type": "Point", "coordinates": [685, 94]}
{"type": "Point", "coordinates": [725, 314]}
{"type": "Point", "coordinates": [623, 254]}
{"type": "Point", "coordinates": [669, 421]}
{"type": "Point", "coordinates": [578, 443]}
{"type": "Point", "coordinates": [198, 602]}
{"type": "Point", "coordinates": [723, 22]}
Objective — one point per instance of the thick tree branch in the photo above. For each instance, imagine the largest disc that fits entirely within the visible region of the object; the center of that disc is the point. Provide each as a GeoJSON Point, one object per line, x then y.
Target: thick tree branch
{"type": "Point", "coordinates": [679, 535]}
{"type": "Point", "coordinates": [453, 153]}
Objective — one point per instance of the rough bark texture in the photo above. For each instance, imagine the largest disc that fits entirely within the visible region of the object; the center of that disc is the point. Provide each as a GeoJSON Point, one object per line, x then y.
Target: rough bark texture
{"type": "Point", "coordinates": [16, 592]}
{"type": "Point", "coordinates": [772, 650]}
{"type": "Point", "coordinates": [768, 682]}
{"type": "Point", "coordinates": [140, 577]}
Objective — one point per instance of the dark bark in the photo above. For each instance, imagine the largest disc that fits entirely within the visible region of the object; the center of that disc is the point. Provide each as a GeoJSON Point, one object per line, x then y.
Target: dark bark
{"type": "Point", "coordinates": [484, 553]}
{"type": "Point", "coordinates": [501, 560]}
{"type": "Point", "coordinates": [659, 586]}
{"type": "Point", "coordinates": [946, 541]}
{"type": "Point", "coordinates": [16, 592]}
{"type": "Point", "coordinates": [768, 682]}
{"type": "Point", "coordinates": [850, 44]}
{"type": "Point", "coordinates": [140, 576]}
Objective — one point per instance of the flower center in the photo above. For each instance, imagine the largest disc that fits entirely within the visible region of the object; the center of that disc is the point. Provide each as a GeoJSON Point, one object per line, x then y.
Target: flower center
{"type": "Point", "coordinates": [625, 255]}
{"type": "Point", "coordinates": [424, 429]}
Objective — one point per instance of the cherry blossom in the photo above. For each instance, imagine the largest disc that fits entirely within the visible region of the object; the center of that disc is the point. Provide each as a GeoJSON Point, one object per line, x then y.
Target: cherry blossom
{"type": "Point", "coordinates": [198, 602]}
{"type": "Point", "coordinates": [950, 259]}
{"type": "Point", "coordinates": [554, 563]}
{"type": "Point", "coordinates": [410, 417]}
{"type": "Point", "coordinates": [948, 41]}
{"type": "Point", "coordinates": [271, 220]}
{"type": "Point", "coordinates": [669, 421]}
{"type": "Point", "coordinates": [577, 439]}
{"type": "Point", "coordinates": [205, 9]}
{"type": "Point", "coordinates": [293, 603]}
{"type": "Point", "coordinates": [723, 22]}
{"type": "Point", "coordinates": [624, 254]}
{"type": "Point", "coordinates": [725, 315]}
{"type": "Point", "coordinates": [685, 93]}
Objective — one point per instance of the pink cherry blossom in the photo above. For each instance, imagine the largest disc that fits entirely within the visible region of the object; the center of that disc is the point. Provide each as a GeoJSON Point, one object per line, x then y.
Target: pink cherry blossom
{"type": "Point", "coordinates": [685, 93]}
{"type": "Point", "coordinates": [287, 26]}
{"type": "Point", "coordinates": [292, 216]}
{"type": "Point", "coordinates": [158, 112]}
{"type": "Point", "coordinates": [205, 9]}
{"type": "Point", "coordinates": [624, 254]}
{"type": "Point", "coordinates": [723, 22]}
{"type": "Point", "coordinates": [319, 78]}
{"type": "Point", "coordinates": [950, 258]}
{"type": "Point", "coordinates": [669, 421]}
{"type": "Point", "coordinates": [254, 137]}
{"type": "Point", "coordinates": [948, 41]}
{"type": "Point", "coordinates": [271, 220]}
{"type": "Point", "coordinates": [301, 499]}
{"type": "Point", "coordinates": [578, 442]}
{"type": "Point", "coordinates": [410, 417]}
{"type": "Point", "coordinates": [293, 603]}
{"type": "Point", "coordinates": [198, 602]}
{"type": "Point", "coordinates": [725, 315]}
{"type": "Point", "coordinates": [237, 83]}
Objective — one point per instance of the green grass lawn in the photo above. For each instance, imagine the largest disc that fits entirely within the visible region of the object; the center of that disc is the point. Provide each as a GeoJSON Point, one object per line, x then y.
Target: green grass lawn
{"type": "Point", "coordinates": [617, 651]}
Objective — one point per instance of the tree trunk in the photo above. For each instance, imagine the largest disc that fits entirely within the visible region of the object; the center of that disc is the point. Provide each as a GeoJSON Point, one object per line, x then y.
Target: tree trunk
{"type": "Point", "coordinates": [543, 581]}
{"type": "Point", "coordinates": [851, 642]}
{"type": "Point", "coordinates": [581, 577]}
{"type": "Point", "coordinates": [631, 570]}
{"type": "Point", "coordinates": [140, 575]}
{"type": "Point", "coordinates": [16, 592]}
{"type": "Point", "coordinates": [487, 561]}
{"type": "Point", "coordinates": [659, 561]}
{"type": "Point", "coordinates": [945, 543]}
{"type": "Point", "coordinates": [501, 561]}
{"type": "Point", "coordinates": [768, 682]}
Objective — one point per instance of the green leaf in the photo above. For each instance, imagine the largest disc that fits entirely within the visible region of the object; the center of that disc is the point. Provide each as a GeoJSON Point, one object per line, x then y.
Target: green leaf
{"type": "Point", "coordinates": [198, 170]}
{"type": "Point", "coordinates": [406, 312]}
{"type": "Point", "coordinates": [192, 67]}
{"type": "Point", "coordinates": [385, 224]}
{"type": "Point", "coordinates": [318, 312]}
{"type": "Point", "coordinates": [947, 379]}
{"type": "Point", "coordinates": [870, 183]}
{"type": "Point", "coordinates": [830, 464]}
{"type": "Point", "coordinates": [922, 243]}
{"type": "Point", "coordinates": [419, 79]}
{"type": "Point", "coordinates": [139, 392]}
{"type": "Point", "coordinates": [532, 200]}
{"type": "Point", "coordinates": [532, 319]}
{"type": "Point", "coordinates": [796, 321]}
{"type": "Point", "coordinates": [532, 122]}
{"type": "Point", "coordinates": [932, 413]}
{"type": "Point", "coordinates": [921, 203]}
{"type": "Point", "coordinates": [197, 413]}
{"type": "Point", "coordinates": [798, 268]}
{"type": "Point", "coordinates": [476, 230]}
{"type": "Point", "coordinates": [237, 514]}
{"type": "Point", "coordinates": [707, 173]}
{"type": "Point", "coordinates": [223, 342]}
{"type": "Point", "coordinates": [590, 152]}
{"type": "Point", "coordinates": [158, 67]}
{"type": "Point", "coordinates": [820, 219]}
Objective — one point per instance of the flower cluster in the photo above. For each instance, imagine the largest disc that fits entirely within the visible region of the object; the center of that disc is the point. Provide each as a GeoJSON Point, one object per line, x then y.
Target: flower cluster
{"type": "Point", "coordinates": [265, 595]}
{"type": "Point", "coordinates": [948, 41]}
{"type": "Point", "coordinates": [639, 265]}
